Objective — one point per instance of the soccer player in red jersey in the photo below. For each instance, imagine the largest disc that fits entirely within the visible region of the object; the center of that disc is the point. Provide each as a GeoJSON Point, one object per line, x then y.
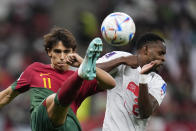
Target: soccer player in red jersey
{"type": "Point", "coordinates": [57, 91]}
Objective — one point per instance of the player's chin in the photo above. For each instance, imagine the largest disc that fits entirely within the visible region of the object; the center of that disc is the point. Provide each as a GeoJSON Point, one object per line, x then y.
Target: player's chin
{"type": "Point", "coordinates": [158, 68]}
{"type": "Point", "coordinates": [61, 67]}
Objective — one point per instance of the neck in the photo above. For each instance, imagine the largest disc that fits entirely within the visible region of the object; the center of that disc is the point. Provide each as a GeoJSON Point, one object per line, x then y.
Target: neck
{"type": "Point", "coordinates": [140, 60]}
{"type": "Point", "coordinates": [60, 69]}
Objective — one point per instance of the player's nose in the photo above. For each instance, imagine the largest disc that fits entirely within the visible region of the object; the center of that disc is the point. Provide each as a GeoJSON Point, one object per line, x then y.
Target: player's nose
{"type": "Point", "coordinates": [62, 56]}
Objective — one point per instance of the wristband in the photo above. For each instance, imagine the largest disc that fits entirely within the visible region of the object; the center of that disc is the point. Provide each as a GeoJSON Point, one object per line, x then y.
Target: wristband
{"type": "Point", "coordinates": [143, 79]}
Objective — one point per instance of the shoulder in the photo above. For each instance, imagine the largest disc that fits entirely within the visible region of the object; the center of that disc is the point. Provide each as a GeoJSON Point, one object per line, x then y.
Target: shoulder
{"type": "Point", "coordinates": [117, 53]}
{"type": "Point", "coordinates": [37, 64]}
{"type": "Point", "coordinates": [157, 79]}
{"type": "Point", "coordinates": [112, 55]}
{"type": "Point", "coordinates": [156, 76]}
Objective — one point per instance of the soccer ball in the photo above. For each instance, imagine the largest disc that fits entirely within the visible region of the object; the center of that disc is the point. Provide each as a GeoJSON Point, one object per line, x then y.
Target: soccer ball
{"type": "Point", "coordinates": [118, 29]}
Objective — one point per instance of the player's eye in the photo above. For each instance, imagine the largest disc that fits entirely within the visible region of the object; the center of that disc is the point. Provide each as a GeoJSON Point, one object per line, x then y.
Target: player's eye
{"type": "Point", "coordinates": [57, 51]}
{"type": "Point", "coordinates": [67, 51]}
{"type": "Point", "coordinates": [161, 53]}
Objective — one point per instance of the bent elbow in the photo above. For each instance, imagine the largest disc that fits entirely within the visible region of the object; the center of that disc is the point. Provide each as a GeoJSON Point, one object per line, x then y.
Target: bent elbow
{"type": "Point", "coordinates": [112, 84]}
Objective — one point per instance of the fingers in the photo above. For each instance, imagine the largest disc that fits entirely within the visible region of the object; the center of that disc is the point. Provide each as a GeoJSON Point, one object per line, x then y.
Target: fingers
{"type": "Point", "coordinates": [74, 59]}
{"type": "Point", "coordinates": [70, 58]}
{"type": "Point", "coordinates": [156, 62]}
{"type": "Point", "coordinates": [151, 66]}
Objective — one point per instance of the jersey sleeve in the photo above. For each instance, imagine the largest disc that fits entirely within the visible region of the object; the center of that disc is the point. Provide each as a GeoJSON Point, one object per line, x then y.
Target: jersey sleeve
{"type": "Point", "coordinates": [111, 56]}
{"type": "Point", "coordinates": [157, 88]}
{"type": "Point", "coordinates": [22, 84]}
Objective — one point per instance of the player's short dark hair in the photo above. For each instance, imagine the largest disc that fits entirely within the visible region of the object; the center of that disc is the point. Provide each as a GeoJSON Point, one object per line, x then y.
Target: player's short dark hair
{"type": "Point", "coordinates": [146, 38]}
{"type": "Point", "coordinates": [59, 34]}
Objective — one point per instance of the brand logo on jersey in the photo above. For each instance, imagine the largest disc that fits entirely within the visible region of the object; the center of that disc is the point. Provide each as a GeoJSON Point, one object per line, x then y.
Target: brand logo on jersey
{"type": "Point", "coordinates": [110, 54]}
{"type": "Point", "coordinates": [163, 89]}
{"type": "Point", "coordinates": [133, 88]}
{"type": "Point", "coordinates": [44, 74]}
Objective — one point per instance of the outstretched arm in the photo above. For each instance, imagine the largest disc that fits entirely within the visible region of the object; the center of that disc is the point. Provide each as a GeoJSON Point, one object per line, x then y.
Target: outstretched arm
{"type": "Point", "coordinates": [127, 60]}
{"type": "Point", "coordinates": [6, 96]}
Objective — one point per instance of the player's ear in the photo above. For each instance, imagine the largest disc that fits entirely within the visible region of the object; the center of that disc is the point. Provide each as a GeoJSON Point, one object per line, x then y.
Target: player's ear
{"type": "Point", "coordinates": [145, 49]}
{"type": "Point", "coordinates": [49, 52]}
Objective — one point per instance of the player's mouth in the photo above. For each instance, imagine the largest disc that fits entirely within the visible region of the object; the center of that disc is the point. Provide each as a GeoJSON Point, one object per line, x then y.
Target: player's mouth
{"type": "Point", "coordinates": [61, 64]}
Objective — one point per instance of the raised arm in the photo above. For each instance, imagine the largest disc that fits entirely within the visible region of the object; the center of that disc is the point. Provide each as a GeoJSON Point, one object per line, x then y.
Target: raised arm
{"type": "Point", "coordinates": [130, 60]}
{"type": "Point", "coordinates": [6, 96]}
{"type": "Point", "coordinates": [146, 102]}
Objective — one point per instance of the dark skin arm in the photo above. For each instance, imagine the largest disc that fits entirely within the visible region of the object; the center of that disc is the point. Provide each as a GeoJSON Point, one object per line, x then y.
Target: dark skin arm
{"type": "Point", "coordinates": [127, 60]}
{"type": "Point", "coordinates": [146, 102]}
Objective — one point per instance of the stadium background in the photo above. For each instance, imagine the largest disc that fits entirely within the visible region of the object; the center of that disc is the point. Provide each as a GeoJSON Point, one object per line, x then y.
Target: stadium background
{"type": "Point", "coordinates": [24, 22]}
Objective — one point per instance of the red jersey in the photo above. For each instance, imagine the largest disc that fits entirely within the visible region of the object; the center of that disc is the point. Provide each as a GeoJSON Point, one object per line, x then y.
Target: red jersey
{"type": "Point", "coordinates": [42, 80]}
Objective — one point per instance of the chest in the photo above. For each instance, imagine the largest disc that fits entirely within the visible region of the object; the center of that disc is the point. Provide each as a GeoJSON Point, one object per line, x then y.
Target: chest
{"type": "Point", "coordinates": [48, 79]}
{"type": "Point", "coordinates": [126, 79]}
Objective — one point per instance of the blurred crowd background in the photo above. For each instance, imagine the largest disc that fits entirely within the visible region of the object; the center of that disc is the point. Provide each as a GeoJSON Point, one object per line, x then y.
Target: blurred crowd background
{"type": "Point", "coordinates": [24, 22]}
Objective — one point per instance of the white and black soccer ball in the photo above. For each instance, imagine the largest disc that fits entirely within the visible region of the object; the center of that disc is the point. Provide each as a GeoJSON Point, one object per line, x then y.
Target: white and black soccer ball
{"type": "Point", "coordinates": [118, 29]}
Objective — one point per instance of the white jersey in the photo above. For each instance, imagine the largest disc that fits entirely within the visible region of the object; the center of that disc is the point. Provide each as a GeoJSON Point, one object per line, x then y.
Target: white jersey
{"type": "Point", "coordinates": [122, 101]}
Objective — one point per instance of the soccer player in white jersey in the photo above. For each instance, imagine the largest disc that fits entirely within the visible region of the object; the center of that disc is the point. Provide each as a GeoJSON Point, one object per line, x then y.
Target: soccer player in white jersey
{"type": "Point", "coordinates": [139, 88]}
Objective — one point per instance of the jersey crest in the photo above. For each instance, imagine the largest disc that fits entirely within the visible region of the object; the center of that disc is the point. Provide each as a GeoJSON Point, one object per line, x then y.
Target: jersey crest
{"type": "Point", "coordinates": [133, 88]}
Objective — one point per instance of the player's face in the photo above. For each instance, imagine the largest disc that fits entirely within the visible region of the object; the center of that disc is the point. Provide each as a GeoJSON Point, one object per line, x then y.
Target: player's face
{"type": "Point", "coordinates": [156, 51]}
{"type": "Point", "coordinates": [58, 56]}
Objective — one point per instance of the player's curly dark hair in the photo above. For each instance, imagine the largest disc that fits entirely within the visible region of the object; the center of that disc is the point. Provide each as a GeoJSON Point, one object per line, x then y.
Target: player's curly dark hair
{"type": "Point", "coordinates": [146, 38]}
{"type": "Point", "coordinates": [59, 34]}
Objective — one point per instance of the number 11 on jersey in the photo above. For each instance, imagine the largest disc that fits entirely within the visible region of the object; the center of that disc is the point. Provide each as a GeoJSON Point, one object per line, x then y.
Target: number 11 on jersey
{"type": "Point", "coordinates": [47, 80]}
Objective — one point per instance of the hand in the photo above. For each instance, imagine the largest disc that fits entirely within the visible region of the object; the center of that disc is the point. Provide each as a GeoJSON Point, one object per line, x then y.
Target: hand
{"type": "Point", "coordinates": [131, 61]}
{"type": "Point", "coordinates": [74, 60]}
{"type": "Point", "coordinates": [148, 67]}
